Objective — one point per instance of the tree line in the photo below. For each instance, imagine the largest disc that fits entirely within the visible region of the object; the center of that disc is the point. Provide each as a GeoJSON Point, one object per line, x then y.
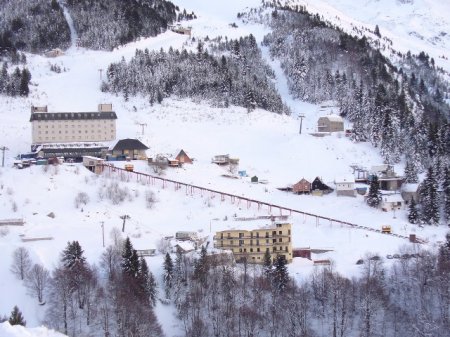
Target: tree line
{"type": "Point", "coordinates": [105, 24]}
{"type": "Point", "coordinates": [214, 297]}
{"type": "Point", "coordinates": [400, 110]}
{"type": "Point", "coordinates": [233, 74]}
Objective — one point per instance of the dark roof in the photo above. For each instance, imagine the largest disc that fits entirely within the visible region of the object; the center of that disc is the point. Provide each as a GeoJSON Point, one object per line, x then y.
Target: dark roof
{"type": "Point", "coordinates": [317, 184]}
{"type": "Point", "coordinates": [54, 116]}
{"type": "Point", "coordinates": [128, 144]}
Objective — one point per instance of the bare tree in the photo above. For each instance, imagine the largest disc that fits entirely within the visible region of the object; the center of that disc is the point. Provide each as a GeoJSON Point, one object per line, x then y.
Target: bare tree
{"type": "Point", "coordinates": [21, 262]}
{"type": "Point", "coordinates": [37, 280]}
{"type": "Point", "coordinates": [81, 198]}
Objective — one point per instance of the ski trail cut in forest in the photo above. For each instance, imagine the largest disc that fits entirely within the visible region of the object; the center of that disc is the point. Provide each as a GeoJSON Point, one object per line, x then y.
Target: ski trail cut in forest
{"type": "Point", "coordinates": [73, 32]}
{"type": "Point", "coordinates": [281, 84]}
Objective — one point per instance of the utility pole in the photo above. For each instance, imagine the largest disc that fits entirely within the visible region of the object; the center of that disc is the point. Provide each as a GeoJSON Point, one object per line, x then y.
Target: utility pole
{"type": "Point", "coordinates": [103, 233]}
{"type": "Point", "coordinates": [3, 148]}
{"type": "Point", "coordinates": [301, 116]}
{"type": "Point", "coordinates": [143, 125]}
{"type": "Point", "coordinates": [124, 218]}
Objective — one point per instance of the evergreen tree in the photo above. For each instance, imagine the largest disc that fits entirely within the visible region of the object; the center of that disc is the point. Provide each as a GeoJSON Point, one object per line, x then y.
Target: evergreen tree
{"type": "Point", "coordinates": [429, 199]}
{"type": "Point", "coordinates": [267, 265]}
{"type": "Point", "coordinates": [446, 191]}
{"type": "Point", "coordinates": [411, 173]}
{"type": "Point", "coordinates": [280, 274]}
{"type": "Point", "coordinates": [374, 196]}
{"type": "Point", "coordinates": [130, 259]}
{"type": "Point", "coordinates": [73, 254]}
{"type": "Point", "coordinates": [152, 288]}
{"type": "Point", "coordinates": [16, 317]}
{"type": "Point", "coordinates": [413, 215]}
{"type": "Point", "coordinates": [144, 281]}
{"type": "Point", "coordinates": [377, 31]}
{"type": "Point", "coordinates": [168, 274]}
{"type": "Point", "coordinates": [201, 267]}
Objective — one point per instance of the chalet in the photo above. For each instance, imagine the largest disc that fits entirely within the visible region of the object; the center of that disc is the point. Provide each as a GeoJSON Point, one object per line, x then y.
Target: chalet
{"type": "Point", "coordinates": [387, 178]}
{"type": "Point", "coordinates": [345, 186]}
{"type": "Point", "coordinates": [64, 127]}
{"type": "Point", "coordinates": [410, 191]}
{"type": "Point", "coordinates": [319, 188]}
{"type": "Point", "coordinates": [254, 179]}
{"type": "Point", "coordinates": [330, 123]}
{"type": "Point", "coordinates": [302, 187]}
{"type": "Point", "coordinates": [183, 158]}
{"type": "Point", "coordinates": [128, 148]}
{"type": "Point", "coordinates": [390, 202]}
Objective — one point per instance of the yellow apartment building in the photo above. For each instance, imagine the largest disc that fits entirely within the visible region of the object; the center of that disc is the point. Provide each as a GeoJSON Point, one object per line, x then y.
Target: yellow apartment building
{"type": "Point", "coordinates": [66, 127]}
{"type": "Point", "coordinates": [253, 244]}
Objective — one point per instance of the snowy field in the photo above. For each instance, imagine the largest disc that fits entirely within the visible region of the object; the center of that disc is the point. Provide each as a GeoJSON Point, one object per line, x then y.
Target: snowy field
{"type": "Point", "coordinates": [268, 146]}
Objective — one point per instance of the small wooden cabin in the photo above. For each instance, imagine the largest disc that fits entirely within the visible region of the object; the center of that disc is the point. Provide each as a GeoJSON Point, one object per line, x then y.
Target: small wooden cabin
{"type": "Point", "coordinates": [302, 187]}
{"type": "Point", "coordinates": [183, 158]}
{"type": "Point", "coordinates": [254, 179]}
{"type": "Point", "coordinates": [319, 187]}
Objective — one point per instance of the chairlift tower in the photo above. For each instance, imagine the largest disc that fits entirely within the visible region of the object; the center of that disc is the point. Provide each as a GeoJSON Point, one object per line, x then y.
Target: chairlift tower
{"type": "Point", "coordinates": [301, 116]}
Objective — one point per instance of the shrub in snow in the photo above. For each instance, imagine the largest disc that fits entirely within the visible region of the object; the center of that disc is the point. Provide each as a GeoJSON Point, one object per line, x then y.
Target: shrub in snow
{"type": "Point", "coordinates": [150, 199]}
{"type": "Point", "coordinates": [81, 198]}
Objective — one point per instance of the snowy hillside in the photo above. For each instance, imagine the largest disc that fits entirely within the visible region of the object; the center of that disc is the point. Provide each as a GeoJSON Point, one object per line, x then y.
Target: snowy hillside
{"type": "Point", "coordinates": [415, 25]}
{"type": "Point", "coordinates": [268, 146]}
{"type": "Point", "coordinates": [6, 330]}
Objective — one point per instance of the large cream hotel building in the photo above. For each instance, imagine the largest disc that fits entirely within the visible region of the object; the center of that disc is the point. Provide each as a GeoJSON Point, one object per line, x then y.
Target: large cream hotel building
{"type": "Point", "coordinates": [252, 245]}
{"type": "Point", "coordinates": [66, 127]}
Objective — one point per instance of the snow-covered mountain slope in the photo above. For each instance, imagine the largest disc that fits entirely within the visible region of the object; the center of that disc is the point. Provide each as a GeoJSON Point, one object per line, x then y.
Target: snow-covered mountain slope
{"type": "Point", "coordinates": [6, 330]}
{"type": "Point", "coordinates": [268, 146]}
{"type": "Point", "coordinates": [414, 25]}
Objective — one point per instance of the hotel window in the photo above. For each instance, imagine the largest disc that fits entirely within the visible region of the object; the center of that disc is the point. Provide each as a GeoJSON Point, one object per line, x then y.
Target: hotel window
{"type": "Point", "coordinates": [280, 232]}
{"type": "Point", "coordinates": [274, 249]}
{"type": "Point", "coordinates": [280, 240]}
{"type": "Point", "coordinates": [267, 234]}
{"type": "Point", "coordinates": [267, 241]}
{"type": "Point", "coordinates": [257, 242]}
{"type": "Point", "coordinates": [258, 250]}
{"type": "Point", "coordinates": [257, 234]}
{"type": "Point", "coordinates": [289, 232]}
{"type": "Point", "coordinates": [241, 242]}
{"type": "Point", "coordinates": [251, 250]}
{"type": "Point", "coordinates": [251, 242]}
{"type": "Point", "coordinates": [231, 242]}
{"type": "Point", "coordinates": [241, 235]}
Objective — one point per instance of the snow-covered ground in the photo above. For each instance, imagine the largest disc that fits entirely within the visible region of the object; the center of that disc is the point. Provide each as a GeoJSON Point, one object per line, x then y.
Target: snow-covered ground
{"type": "Point", "coordinates": [268, 145]}
{"type": "Point", "coordinates": [414, 25]}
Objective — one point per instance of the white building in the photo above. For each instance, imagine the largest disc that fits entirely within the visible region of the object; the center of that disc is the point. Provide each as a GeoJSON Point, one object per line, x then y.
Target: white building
{"type": "Point", "coordinates": [345, 186]}
{"type": "Point", "coordinates": [65, 127]}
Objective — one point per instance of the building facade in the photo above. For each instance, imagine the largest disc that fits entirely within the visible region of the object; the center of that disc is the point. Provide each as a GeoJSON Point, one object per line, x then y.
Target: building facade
{"type": "Point", "coordinates": [66, 127]}
{"type": "Point", "coordinates": [330, 123]}
{"type": "Point", "coordinates": [252, 245]}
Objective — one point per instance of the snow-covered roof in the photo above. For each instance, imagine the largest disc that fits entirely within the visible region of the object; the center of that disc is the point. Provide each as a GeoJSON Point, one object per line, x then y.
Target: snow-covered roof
{"type": "Point", "coordinates": [344, 179]}
{"type": "Point", "coordinates": [410, 187]}
{"type": "Point", "coordinates": [392, 198]}
{"type": "Point", "coordinates": [333, 118]}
